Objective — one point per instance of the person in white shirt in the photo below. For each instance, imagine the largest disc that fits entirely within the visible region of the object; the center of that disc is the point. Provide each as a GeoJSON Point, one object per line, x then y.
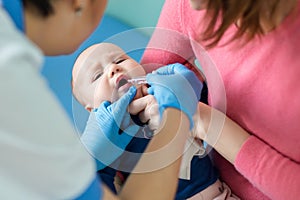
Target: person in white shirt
{"type": "Point", "coordinates": [41, 155]}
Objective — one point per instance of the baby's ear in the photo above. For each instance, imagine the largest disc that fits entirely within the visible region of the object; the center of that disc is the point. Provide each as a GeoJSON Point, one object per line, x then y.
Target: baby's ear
{"type": "Point", "coordinates": [88, 108]}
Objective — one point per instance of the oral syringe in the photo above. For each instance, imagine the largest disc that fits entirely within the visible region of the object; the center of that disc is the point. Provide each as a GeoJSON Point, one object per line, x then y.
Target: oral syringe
{"type": "Point", "coordinates": [138, 80]}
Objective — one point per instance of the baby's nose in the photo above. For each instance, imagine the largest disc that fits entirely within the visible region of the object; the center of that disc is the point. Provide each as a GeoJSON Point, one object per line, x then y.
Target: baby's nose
{"type": "Point", "coordinates": [114, 69]}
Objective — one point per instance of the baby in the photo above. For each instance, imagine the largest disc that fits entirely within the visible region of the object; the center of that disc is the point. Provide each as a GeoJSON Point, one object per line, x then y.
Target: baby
{"type": "Point", "coordinates": [101, 73]}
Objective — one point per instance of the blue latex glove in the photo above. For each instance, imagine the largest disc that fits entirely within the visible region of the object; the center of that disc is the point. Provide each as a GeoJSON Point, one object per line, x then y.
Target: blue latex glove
{"type": "Point", "coordinates": [103, 136]}
{"type": "Point", "coordinates": [175, 86]}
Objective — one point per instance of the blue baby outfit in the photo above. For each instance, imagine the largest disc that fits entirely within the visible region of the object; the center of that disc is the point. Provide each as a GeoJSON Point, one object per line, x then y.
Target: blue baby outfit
{"type": "Point", "coordinates": [203, 174]}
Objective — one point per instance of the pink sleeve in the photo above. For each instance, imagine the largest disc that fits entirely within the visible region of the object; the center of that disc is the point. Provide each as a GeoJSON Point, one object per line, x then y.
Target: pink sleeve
{"type": "Point", "coordinates": [275, 175]}
{"type": "Point", "coordinates": [169, 43]}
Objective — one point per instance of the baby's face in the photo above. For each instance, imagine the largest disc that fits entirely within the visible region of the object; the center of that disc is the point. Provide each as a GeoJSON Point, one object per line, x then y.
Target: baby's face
{"type": "Point", "coordinates": [100, 74]}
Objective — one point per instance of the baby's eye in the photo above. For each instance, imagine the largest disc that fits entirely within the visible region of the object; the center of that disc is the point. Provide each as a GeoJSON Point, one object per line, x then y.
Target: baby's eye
{"type": "Point", "coordinates": [120, 60]}
{"type": "Point", "coordinates": [97, 76]}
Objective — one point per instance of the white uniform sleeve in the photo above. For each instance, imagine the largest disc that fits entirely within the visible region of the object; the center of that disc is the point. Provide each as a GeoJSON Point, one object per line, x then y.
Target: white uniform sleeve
{"type": "Point", "coordinates": [41, 155]}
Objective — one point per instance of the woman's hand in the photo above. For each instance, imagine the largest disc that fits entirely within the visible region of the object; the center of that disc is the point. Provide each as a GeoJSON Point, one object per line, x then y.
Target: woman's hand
{"type": "Point", "coordinates": [220, 132]}
{"type": "Point", "coordinates": [199, 130]}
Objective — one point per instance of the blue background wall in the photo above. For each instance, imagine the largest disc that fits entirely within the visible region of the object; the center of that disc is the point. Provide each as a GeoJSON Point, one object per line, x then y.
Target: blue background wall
{"type": "Point", "coordinates": [136, 13]}
{"type": "Point", "coordinates": [118, 26]}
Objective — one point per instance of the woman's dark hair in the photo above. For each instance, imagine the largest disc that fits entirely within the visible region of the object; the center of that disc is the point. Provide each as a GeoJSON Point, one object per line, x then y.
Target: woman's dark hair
{"type": "Point", "coordinates": [42, 7]}
{"type": "Point", "coordinates": [248, 12]}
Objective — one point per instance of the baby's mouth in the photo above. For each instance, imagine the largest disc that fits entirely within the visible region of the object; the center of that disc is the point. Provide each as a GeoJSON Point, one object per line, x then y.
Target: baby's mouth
{"type": "Point", "coordinates": [122, 82]}
{"type": "Point", "coordinates": [123, 86]}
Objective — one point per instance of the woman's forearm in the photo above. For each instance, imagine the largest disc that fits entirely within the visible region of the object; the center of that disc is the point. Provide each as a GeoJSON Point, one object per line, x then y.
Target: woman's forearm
{"type": "Point", "coordinates": [223, 134]}
{"type": "Point", "coordinates": [156, 173]}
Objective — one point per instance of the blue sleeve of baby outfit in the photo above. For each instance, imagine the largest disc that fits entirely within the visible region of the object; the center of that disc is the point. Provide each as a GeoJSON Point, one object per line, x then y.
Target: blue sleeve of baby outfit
{"type": "Point", "coordinates": [107, 176]}
{"type": "Point", "coordinates": [203, 174]}
{"type": "Point", "coordinates": [126, 161]}
{"type": "Point", "coordinates": [137, 145]}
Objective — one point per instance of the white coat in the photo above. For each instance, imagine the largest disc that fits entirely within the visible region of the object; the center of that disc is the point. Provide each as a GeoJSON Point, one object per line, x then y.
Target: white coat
{"type": "Point", "coordinates": [41, 154]}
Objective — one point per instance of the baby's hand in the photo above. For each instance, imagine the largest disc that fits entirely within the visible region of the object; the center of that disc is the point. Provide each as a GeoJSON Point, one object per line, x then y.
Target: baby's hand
{"type": "Point", "coordinates": [146, 107]}
{"type": "Point", "coordinates": [151, 113]}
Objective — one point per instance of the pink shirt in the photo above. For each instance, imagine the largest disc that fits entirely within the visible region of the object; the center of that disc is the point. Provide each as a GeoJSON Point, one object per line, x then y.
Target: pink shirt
{"type": "Point", "coordinates": [258, 86]}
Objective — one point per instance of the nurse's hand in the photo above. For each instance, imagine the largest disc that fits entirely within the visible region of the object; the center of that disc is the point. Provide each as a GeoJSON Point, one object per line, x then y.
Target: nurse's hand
{"type": "Point", "coordinates": [189, 75]}
{"type": "Point", "coordinates": [109, 130]}
{"type": "Point", "coordinates": [175, 86]}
